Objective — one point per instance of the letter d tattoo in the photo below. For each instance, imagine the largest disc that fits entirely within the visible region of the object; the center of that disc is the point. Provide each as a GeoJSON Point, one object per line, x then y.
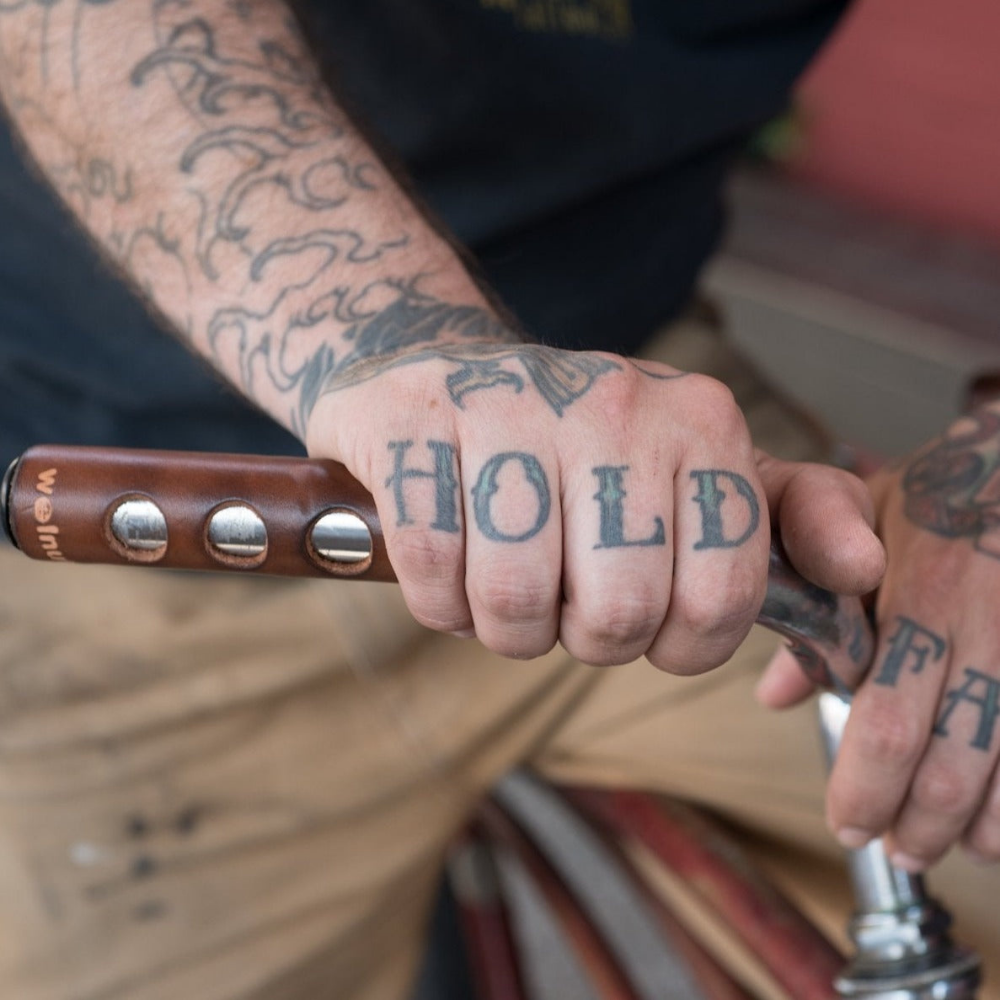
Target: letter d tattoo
{"type": "Point", "coordinates": [709, 498]}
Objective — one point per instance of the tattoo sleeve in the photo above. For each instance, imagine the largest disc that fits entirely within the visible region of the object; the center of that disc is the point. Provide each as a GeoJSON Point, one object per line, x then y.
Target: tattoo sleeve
{"type": "Point", "coordinates": [197, 144]}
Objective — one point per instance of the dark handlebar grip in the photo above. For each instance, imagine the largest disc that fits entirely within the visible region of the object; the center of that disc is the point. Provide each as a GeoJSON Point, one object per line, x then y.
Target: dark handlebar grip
{"type": "Point", "coordinates": [191, 510]}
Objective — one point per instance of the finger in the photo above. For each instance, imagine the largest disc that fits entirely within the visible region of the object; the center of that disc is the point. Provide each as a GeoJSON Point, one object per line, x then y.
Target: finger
{"type": "Point", "coordinates": [826, 519]}
{"type": "Point", "coordinates": [955, 772]}
{"type": "Point", "coordinates": [783, 684]}
{"type": "Point", "coordinates": [982, 837]}
{"type": "Point", "coordinates": [721, 539]}
{"type": "Point", "coordinates": [417, 489]}
{"type": "Point", "coordinates": [513, 549]}
{"type": "Point", "coordinates": [617, 556]}
{"type": "Point", "coordinates": [892, 715]}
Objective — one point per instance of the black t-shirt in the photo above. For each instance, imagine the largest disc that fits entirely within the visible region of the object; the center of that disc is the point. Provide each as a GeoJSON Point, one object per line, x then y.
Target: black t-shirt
{"type": "Point", "coordinates": [577, 146]}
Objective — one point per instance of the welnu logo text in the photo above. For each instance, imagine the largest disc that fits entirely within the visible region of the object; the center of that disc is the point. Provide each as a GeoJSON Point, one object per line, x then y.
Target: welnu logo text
{"type": "Point", "coordinates": [48, 533]}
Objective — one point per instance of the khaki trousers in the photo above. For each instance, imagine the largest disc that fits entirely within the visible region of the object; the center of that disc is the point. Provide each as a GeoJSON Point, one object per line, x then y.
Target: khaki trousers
{"type": "Point", "coordinates": [242, 789]}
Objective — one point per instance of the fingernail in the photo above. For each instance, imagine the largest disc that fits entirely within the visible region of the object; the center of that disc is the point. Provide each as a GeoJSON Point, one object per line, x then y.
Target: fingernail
{"type": "Point", "coordinates": [469, 633]}
{"type": "Point", "coordinates": [854, 837]}
{"type": "Point", "coordinates": [907, 862]}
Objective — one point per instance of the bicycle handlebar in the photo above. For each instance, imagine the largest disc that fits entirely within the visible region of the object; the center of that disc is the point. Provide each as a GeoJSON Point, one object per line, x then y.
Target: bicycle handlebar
{"type": "Point", "coordinates": [301, 517]}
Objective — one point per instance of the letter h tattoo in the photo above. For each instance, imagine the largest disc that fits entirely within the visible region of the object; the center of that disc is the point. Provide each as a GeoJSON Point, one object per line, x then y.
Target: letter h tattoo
{"type": "Point", "coordinates": [445, 483]}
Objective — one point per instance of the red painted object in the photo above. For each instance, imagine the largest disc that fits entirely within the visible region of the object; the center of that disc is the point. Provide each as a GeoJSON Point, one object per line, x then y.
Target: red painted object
{"type": "Point", "coordinates": [799, 957]}
{"type": "Point", "coordinates": [901, 112]}
{"type": "Point", "coordinates": [704, 969]}
{"type": "Point", "coordinates": [494, 960]}
{"type": "Point", "coordinates": [605, 973]}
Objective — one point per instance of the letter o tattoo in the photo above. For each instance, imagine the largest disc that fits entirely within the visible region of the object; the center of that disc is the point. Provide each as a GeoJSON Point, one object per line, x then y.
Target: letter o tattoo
{"type": "Point", "coordinates": [486, 488]}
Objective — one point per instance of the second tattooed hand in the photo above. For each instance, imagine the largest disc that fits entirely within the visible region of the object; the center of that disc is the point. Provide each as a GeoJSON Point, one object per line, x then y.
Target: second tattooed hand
{"type": "Point", "coordinates": [920, 754]}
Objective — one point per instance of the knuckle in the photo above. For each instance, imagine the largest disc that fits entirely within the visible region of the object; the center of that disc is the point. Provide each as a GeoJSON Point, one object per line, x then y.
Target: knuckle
{"type": "Point", "coordinates": [615, 630]}
{"type": "Point", "coordinates": [893, 737]}
{"type": "Point", "coordinates": [513, 600]}
{"type": "Point", "coordinates": [418, 556]}
{"type": "Point", "coordinates": [717, 617]}
{"type": "Point", "coordinates": [942, 790]}
{"type": "Point", "coordinates": [615, 399]}
{"type": "Point", "coordinates": [717, 400]}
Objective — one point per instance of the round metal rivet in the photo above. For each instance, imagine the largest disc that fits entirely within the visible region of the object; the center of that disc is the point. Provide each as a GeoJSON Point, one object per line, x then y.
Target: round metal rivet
{"type": "Point", "coordinates": [341, 537]}
{"type": "Point", "coordinates": [237, 531]}
{"type": "Point", "coordinates": [140, 526]}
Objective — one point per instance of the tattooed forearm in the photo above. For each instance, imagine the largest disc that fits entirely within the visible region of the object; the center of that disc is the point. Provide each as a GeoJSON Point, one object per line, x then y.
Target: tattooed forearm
{"type": "Point", "coordinates": [198, 143]}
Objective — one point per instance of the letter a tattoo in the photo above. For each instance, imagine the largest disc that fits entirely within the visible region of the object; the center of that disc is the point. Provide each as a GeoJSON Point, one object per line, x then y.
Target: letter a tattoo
{"type": "Point", "coordinates": [610, 494]}
{"type": "Point", "coordinates": [988, 703]}
{"type": "Point", "coordinates": [709, 498]}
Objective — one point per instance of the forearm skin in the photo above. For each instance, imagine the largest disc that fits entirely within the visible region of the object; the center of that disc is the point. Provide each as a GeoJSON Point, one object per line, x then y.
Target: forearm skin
{"type": "Point", "coordinates": [198, 146]}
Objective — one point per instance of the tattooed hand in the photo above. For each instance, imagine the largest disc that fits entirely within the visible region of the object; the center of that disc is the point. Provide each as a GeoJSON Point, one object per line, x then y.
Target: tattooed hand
{"type": "Point", "coordinates": [530, 495]}
{"type": "Point", "coordinates": [920, 752]}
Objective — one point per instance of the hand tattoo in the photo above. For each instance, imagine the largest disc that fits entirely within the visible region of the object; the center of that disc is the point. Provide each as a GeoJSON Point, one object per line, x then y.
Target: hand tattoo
{"type": "Point", "coordinates": [953, 488]}
{"type": "Point", "coordinates": [710, 497]}
{"type": "Point", "coordinates": [913, 648]}
{"type": "Point", "coordinates": [559, 377]}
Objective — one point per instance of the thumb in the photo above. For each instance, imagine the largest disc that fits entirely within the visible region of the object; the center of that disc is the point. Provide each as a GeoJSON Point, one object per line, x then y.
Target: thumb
{"type": "Point", "coordinates": [783, 683]}
{"type": "Point", "coordinates": [825, 518]}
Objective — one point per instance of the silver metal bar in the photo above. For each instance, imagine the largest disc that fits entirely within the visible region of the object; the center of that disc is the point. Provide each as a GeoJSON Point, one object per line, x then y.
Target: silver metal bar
{"type": "Point", "coordinates": [903, 948]}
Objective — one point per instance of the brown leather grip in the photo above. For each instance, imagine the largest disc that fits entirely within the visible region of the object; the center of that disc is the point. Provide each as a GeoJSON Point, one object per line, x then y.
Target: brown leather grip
{"type": "Point", "coordinates": [62, 503]}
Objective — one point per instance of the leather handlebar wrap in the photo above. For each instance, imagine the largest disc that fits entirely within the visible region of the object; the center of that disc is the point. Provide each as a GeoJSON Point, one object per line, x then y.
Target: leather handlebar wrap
{"type": "Point", "coordinates": [62, 501]}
